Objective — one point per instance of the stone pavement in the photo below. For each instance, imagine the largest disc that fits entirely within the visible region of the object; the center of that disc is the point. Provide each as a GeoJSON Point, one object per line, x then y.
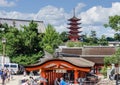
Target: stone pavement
{"type": "Point", "coordinates": [16, 80]}
{"type": "Point", "coordinates": [106, 82]}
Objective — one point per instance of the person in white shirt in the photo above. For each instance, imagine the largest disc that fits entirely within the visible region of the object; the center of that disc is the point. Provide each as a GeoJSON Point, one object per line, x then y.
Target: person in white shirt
{"type": "Point", "coordinates": [26, 82]}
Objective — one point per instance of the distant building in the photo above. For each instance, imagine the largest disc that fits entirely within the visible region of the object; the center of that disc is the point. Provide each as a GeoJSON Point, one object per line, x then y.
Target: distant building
{"type": "Point", "coordinates": [114, 43]}
{"type": "Point", "coordinates": [18, 23]}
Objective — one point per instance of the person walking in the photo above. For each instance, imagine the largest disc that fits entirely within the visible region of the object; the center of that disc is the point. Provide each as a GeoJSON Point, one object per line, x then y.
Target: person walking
{"type": "Point", "coordinates": [26, 82]}
{"type": "Point", "coordinates": [3, 77]}
{"type": "Point", "coordinates": [56, 82]}
{"type": "Point", "coordinates": [62, 82]}
{"type": "Point", "coordinates": [117, 78]}
{"type": "Point", "coordinates": [24, 73]}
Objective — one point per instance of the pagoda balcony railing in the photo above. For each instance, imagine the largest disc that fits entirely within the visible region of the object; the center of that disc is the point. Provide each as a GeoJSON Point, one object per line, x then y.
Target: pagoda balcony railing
{"type": "Point", "coordinates": [74, 23]}
{"type": "Point", "coordinates": [74, 27]}
{"type": "Point", "coordinates": [74, 32]}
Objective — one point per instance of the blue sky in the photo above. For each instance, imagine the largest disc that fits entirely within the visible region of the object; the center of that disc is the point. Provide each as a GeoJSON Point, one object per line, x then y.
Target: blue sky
{"type": "Point", "coordinates": [94, 13]}
{"type": "Point", "coordinates": [32, 6]}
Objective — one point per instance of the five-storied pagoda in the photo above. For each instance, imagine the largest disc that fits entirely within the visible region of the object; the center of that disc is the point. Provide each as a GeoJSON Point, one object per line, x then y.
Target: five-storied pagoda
{"type": "Point", "coordinates": [74, 28]}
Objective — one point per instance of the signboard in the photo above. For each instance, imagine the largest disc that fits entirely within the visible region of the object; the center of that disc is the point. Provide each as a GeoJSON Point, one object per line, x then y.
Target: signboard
{"type": "Point", "coordinates": [60, 71]}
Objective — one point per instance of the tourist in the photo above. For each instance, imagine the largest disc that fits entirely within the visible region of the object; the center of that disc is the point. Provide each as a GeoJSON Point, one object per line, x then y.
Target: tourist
{"type": "Point", "coordinates": [24, 73]}
{"type": "Point", "coordinates": [31, 74]}
{"type": "Point", "coordinates": [11, 74]}
{"type": "Point", "coordinates": [81, 81]}
{"type": "Point", "coordinates": [26, 82]}
{"type": "Point", "coordinates": [3, 76]}
{"type": "Point", "coordinates": [8, 75]}
{"type": "Point", "coordinates": [117, 78]}
{"type": "Point", "coordinates": [0, 74]}
{"type": "Point", "coordinates": [62, 82]}
{"type": "Point", "coordinates": [67, 82]}
{"type": "Point", "coordinates": [31, 80]}
{"type": "Point", "coordinates": [56, 82]}
{"type": "Point", "coordinates": [35, 82]}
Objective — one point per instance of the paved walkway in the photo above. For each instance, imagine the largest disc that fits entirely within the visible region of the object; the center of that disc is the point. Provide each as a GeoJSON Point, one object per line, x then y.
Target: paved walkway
{"type": "Point", "coordinates": [16, 80]}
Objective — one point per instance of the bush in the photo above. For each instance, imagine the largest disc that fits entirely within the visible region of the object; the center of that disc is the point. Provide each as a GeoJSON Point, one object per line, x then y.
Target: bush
{"type": "Point", "coordinates": [104, 71]}
{"type": "Point", "coordinates": [49, 49]}
{"type": "Point", "coordinates": [74, 44]}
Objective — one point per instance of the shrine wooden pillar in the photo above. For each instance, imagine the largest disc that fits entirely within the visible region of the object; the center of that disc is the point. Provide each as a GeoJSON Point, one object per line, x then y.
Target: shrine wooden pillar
{"type": "Point", "coordinates": [43, 74]}
{"type": "Point", "coordinates": [75, 76]}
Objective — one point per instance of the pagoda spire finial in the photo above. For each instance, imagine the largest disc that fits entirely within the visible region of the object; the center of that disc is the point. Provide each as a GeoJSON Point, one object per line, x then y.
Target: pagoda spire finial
{"type": "Point", "coordinates": [74, 12]}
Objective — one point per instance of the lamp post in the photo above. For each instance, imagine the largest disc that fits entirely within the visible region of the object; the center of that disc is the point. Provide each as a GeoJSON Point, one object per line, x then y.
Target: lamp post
{"type": "Point", "coordinates": [3, 56]}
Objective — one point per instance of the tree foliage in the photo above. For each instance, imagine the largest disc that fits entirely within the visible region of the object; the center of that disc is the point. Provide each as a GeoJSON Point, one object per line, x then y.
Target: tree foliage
{"type": "Point", "coordinates": [114, 59]}
{"type": "Point", "coordinates": [117, 36]}
{"type": "Point", "coordinates": [104, 71]}
{"type": "Point", "coordinates": [91, 39]}
{"type": "Point", "coordinates": [103, 41]}
{"type": "Point", "coordinates": [74, 44]}
{"type": "Point", "coordinates": [23, 46]}
{"type": "Point", "coordinates": [51, 39]}
{"type": "Point", "coordinates": [114, 22]}
{"type": "Point", "coordinates": [64, 36]}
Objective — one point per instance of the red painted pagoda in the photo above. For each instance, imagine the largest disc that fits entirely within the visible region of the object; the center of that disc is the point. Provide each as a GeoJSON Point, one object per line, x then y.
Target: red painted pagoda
{"type": "Point", "coordinates": [74, 28]}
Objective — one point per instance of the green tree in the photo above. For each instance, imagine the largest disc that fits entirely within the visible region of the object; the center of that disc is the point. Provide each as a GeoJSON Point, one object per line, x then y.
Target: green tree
{"type": "Point", "coordinates": [64, 36]}
{"type": "Point", "coordinates": [110, 39]}
{"type": "Point", "coordinates": [23, 46]}
{"type": "Point", "coordinates": [114, 59]}
{"type": "Point", "coordinates": [114, 22]}
{"type": "Point", "coordinates": [74, 44]}
{"type": "Point", "coordinates": [103, 40]}
{"type": "Point", "coordinates": [117, 36]}
{"type": "Point", "coordinates": [117, 55]}
{"type": "Point", "coordinates": [51, 39]}
{"type": "Point", "coordinates": [85, 38]}
{"type": "Point", "coordinates": [110, 60]}
{"type": "Point", "coordinates": [93, 39]}
{"type": "Point", "coordinates": [104, 71]}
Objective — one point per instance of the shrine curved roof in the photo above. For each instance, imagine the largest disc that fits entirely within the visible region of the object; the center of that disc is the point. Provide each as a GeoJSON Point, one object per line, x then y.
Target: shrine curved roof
{"type": "Point", "coordinates": [76, 61]}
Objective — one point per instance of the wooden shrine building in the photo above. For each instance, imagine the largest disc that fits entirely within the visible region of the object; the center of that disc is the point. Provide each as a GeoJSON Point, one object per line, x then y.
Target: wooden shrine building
{"type": "Point", "coordinates": [71, 68]}
{"type": "Point", "coordinates": [72, 63]}
{"type": "Point", "coordinates": [94, 54]}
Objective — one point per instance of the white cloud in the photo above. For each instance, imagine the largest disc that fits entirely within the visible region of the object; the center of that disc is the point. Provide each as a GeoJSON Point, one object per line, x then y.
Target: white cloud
{"type": "Point", "coordinates": [109, 33]}
{"type": "Point", "coordinates": [99, 14]}
{"type": "Point", "coordinates": [95, 17]}
{"type": "Point", "coordinates": [92, 19]}
{"type": "Point", "coordinates": [61, 28]}
{"type": "Point", "coordinates": [52, 15]}
{"type": "Point", "coordinates": [16, 15]}
{"type": "Point", "coordinates": [79, 7]}
{"type": "Point", "coordinates": [100, 30]}
{"type": "Point", "coordinates": [5, 3]}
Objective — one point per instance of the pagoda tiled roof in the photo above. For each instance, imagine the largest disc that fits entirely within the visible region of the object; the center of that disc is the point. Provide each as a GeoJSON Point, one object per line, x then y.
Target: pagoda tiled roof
{"type": "Point", "coordinates": [74, 18]}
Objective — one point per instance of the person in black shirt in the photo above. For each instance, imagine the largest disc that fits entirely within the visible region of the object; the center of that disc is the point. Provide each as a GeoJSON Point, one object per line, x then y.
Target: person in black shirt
{"type": "Point", "coordinates": [117, 78]}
